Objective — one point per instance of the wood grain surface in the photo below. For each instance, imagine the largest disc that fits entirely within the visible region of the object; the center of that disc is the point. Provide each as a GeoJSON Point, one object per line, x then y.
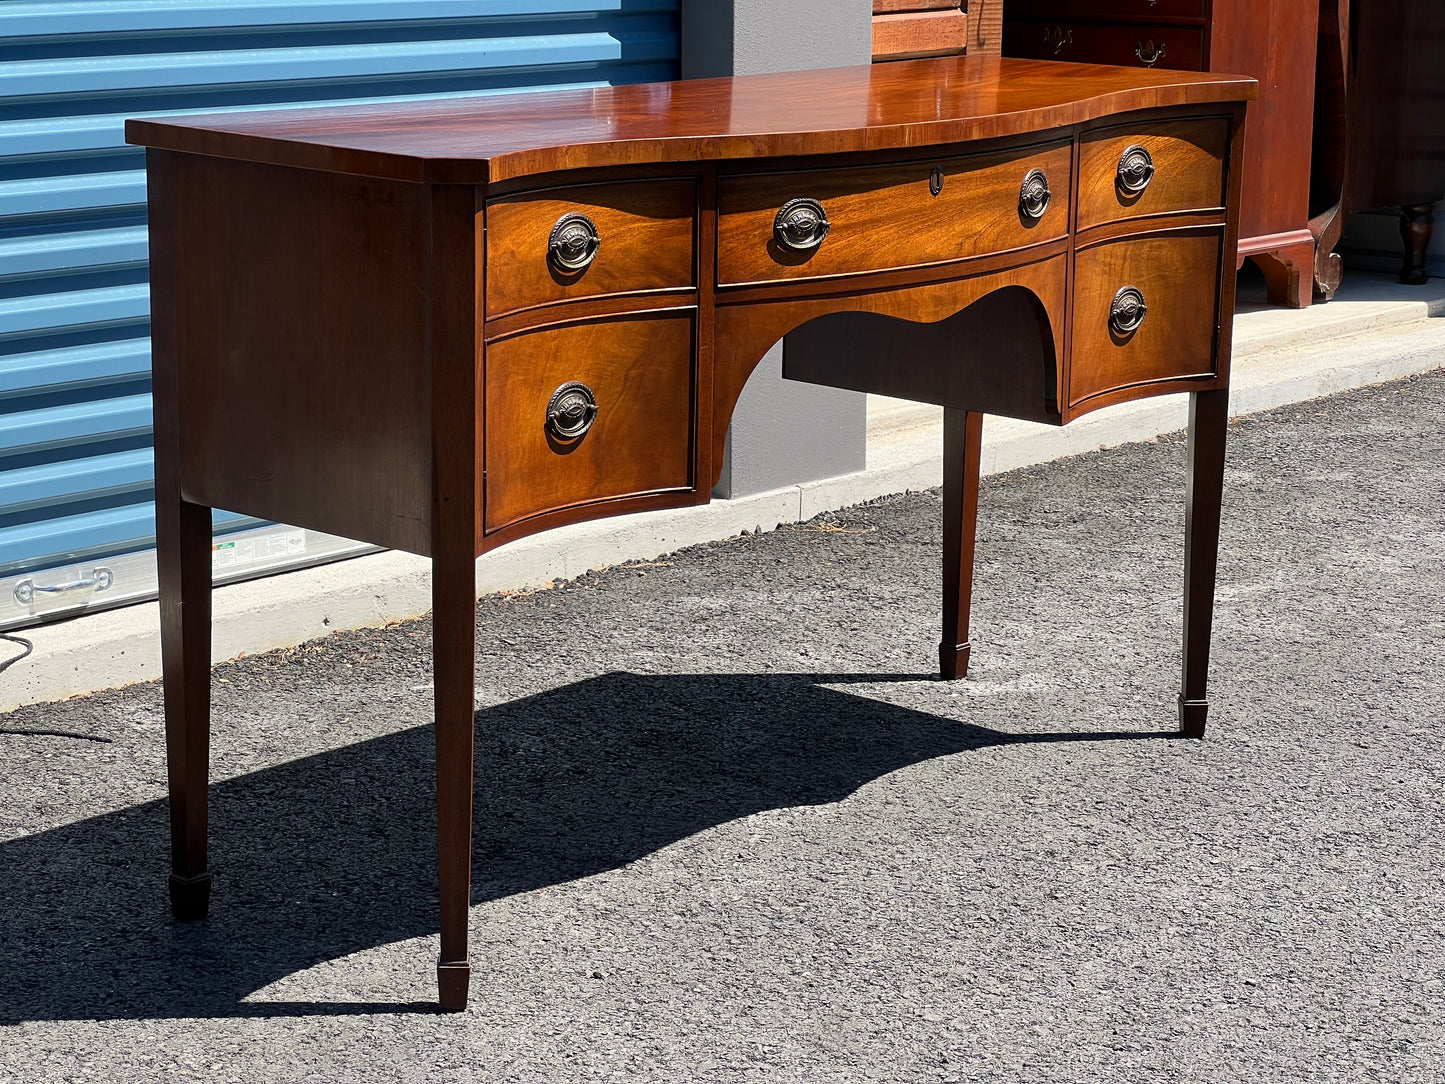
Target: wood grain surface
{"type": "Point", "coordinates": [873, 107]}
{"type": "Point", "coordinates": [919, 33]}
{"type": "Point", "coordinates": [639, 368]}
{"type": "Point", "coordinates": [646, 230]}
{"type": "Point", "coordinates": [302, 334]}
{"type": "Point", "coordinates": [1179, 278]}
{"type": "Point", "coordinates": [1188, 170]}
{"type": "Point", "coordinates": [887, 216]}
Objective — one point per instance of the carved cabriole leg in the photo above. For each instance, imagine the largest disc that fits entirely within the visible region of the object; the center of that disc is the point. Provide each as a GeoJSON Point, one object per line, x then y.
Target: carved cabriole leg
{"type": "Point", "coordinates": [1208, 422]}
{"type": "Point", "coordinates": [962, 443]}
{"type": "Point", "coordinates": [1417, 226]}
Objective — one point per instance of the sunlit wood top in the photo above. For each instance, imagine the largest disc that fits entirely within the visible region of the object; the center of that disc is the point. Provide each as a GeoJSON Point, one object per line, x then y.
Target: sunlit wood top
{"type": "Point", "coordinates": [838, 110]}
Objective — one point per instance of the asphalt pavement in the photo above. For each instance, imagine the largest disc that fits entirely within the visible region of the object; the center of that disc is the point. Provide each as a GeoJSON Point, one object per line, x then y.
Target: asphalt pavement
{"type": "Point", "coordinates": [731, 827]}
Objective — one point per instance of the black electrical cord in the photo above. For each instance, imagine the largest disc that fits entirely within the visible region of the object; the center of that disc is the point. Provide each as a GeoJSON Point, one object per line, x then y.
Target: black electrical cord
{"type": "Point", "coordinates": [26, 644]}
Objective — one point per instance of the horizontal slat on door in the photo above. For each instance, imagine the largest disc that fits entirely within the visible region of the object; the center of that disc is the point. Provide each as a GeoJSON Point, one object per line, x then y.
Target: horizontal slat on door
{"type": "Point", "coordinates": [75, 459]}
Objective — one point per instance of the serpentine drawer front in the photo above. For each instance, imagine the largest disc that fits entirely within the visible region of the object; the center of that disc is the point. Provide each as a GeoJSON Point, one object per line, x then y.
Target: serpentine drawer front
{"type": "Point", "coordinates": [587, 413]}
{"type": "Point", "coordinates": [906, 215]}
{"type": "Point", "coordinates": [1149, 169]}
{"type": "Point", "coordinates": [459, 323]}
{"type": "Point", "coordinates": [572, 242]}
{"type": "Point", "coordinates": [1145, 310]}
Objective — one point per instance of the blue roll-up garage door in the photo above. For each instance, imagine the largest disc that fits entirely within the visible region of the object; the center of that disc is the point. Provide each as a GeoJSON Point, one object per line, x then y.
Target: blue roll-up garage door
{"type": "Point", "coordinates": [75, 453]}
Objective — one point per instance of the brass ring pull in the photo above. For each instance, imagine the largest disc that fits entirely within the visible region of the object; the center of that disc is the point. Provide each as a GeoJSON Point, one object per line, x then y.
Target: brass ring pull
{"type": "Point", "coordinates": [1136, 169]}
{"type": "Point", "coordinates": [574, 242]}
{"type": "Point", "coordinates": [1127, 311]}
{"type": "Point", "coordinates": [801, 224]}
{"type": "Point", "coordinates": [1155, 55]}
{"type": "Point", "coordinates": [1058, 37]}
{"type": "Point", "coordinates": [571, 410]}
{"type": "Point", "coordinates": [1034, 195]}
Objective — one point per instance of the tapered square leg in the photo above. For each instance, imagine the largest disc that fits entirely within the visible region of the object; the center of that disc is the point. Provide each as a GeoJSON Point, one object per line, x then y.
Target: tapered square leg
{"type": "Point", "coordinates": [183, 557]}
{"type": "Point", "coordinates": [1208, 424]}
{"type": "Point", "coordinates": [454, 662]}
{"type": "Point", "coordinates": [962, 449]}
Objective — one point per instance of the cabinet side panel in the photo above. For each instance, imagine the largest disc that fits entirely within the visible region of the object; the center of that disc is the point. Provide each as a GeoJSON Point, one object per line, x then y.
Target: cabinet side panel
{"type": "Point", "coordinates": [1275, 42]}
{"type": "Point", "coordinates": [302, 320]}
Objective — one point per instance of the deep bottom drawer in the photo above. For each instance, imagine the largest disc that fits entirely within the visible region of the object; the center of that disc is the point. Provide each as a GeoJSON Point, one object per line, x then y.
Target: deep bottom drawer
{"type": "Point", "coordinates": [1176, 280]}
{"type": "Point", "coordinates": [627, 384]}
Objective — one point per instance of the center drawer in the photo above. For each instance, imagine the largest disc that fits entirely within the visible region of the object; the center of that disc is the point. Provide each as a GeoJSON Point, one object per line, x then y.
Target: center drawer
{"type": "Point", "coordinates": [587, 413]}
{"type": "Point", "coordinates": [887, 217]}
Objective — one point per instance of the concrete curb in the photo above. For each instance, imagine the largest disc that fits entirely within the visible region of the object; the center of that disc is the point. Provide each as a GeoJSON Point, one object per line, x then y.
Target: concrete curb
{"type": "Point", "coordinates": [1367, 336]}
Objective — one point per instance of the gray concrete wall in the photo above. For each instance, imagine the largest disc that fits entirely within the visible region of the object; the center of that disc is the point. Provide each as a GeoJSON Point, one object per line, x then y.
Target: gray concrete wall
{"type": "Point", "coordinates": [782, 432]}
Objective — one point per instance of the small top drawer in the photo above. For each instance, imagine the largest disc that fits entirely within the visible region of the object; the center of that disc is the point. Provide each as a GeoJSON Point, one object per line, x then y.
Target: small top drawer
{"type": "Point", "coordinates": [1150, 169]}
{"type": "Point", "coordinates": [821, 223]}
{"type": "Point", "coordinates": [587, 241]}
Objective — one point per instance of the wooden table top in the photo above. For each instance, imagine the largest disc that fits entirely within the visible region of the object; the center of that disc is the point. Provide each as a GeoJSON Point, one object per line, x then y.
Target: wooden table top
{"type": "Point", "coordinates": [839, 110]}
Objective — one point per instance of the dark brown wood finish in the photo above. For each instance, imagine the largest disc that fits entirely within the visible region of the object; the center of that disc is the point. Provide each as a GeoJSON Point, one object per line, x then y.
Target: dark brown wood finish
{"type": "Point", "coordinates": [305, 394]}
{"type": "Point", "coordinates": [450, 347]}
{"type": "Point", "coordinates": [363, 289]}
{"type": "Point", "coordinates": [962, 455]}
{"type": "Point", "coordinates": [1158, 46]}
{"type": "Point", "coordinates": [1203, 496]}
{"type": "Point", "coordinates": [183, 558]}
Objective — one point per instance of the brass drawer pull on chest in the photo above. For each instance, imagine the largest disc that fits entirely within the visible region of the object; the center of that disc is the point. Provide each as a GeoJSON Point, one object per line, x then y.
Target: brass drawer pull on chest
{"type": "Point", "coordinates": [1155, 55]}
{"type": "Point", "coordinates": [1034, 195]}
{"type": "Point", "coordinates": [574, 242]}
{"type": "Point", "coordinates": [571, 411]}
{"type": "Point", "coordinates": [801, 224]}
{"type": "Point", "coordinates": [1136, 170]}
{"type": "Point", "coordinates": [1128, 311]}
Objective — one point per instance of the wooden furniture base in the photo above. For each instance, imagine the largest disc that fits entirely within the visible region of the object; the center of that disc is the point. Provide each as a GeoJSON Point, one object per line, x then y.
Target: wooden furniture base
{"type": "Point", "coordinates": [443, 326]}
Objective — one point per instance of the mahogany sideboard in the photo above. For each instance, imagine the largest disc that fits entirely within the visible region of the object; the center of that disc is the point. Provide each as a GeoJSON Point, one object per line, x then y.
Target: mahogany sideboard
{"type": "Point", "coordinates": [441, 326]}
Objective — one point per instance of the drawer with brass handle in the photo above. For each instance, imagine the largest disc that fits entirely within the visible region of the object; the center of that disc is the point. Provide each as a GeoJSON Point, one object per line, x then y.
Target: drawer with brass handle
{"type": "Point", "coordinates": [1129, 45]}
{"type": "Point", "coordinates": [586, 413]}
{"type": "Point", "coordinates": [587, 241]}
{"type": "Point", "coordinates": [822, 223]}
{"type": "Point", "coordinates": [1145, 310]}
{"type": "Point", "coordinates": [1149, 169]}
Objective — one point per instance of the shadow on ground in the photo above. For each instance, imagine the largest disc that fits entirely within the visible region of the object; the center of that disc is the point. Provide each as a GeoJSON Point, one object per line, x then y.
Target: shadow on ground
{"type": "Point", "coordinates": [333, 854]}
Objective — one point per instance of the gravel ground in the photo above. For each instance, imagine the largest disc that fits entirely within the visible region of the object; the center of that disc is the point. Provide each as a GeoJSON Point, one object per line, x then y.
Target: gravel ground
{"type": "Point", "coordinates": [730, 828]}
